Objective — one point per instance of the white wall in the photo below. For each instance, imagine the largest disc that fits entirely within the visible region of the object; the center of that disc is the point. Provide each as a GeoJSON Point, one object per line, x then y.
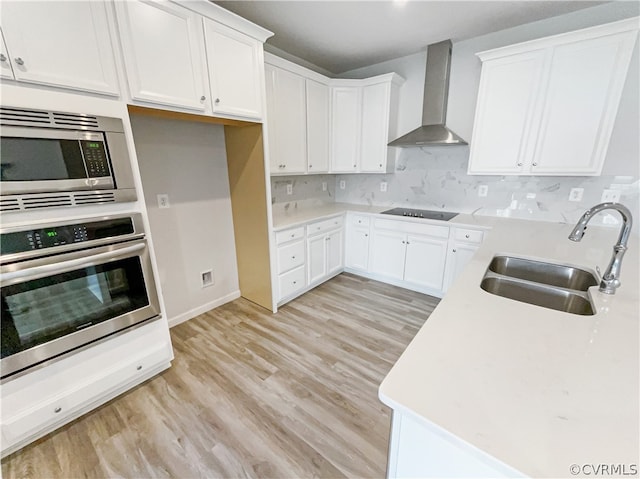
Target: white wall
{"type": "Point", "coordinates": [187, 160]}
{"type": "Point", "coordinates": [437, 178]}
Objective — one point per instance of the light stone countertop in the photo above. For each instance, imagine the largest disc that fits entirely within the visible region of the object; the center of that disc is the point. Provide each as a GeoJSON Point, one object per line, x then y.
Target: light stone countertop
{"type": "Point", "coordinates": [536, 388]}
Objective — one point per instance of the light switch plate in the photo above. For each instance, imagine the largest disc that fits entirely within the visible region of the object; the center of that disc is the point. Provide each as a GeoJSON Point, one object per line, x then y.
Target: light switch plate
{"type": "Point", "coordinates": [324, 186]}
{"type": "Point", "coordinates": [383, 186]}
{"type": "Point", "coordinates": [163, 200]}
{"type": "Point", "coordinates": [483, 190]}
{"type": "Point", "coordinates": [289, 189]}
{"type": "Point", "coordinates": [343, 184]}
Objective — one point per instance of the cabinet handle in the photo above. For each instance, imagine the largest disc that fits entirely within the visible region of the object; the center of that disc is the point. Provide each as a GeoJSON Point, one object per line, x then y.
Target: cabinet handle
{"type": "Point", "coordinates": [293, 257]}
{"type": "Point", "coordinates": [57, 410]}
{"type": "Point", "coordinates": [520, 164]}
{"type": "Point", "coordinates": [454, 250]}
{"type": "Point", "coordinates": [310, 166]}
{"type": "Point", "coordinates": [380, 165]}
{"type": "Point", "coordinates": [534, 164]}
{"type": "Point", "coordinates": [293, 235]}
{"type": "Point", "coordinates": [2, 58]}
{"type": "Point", "coordinates": [354, 166]}
{"type": "Point", "coordinates": [217, 100]}
{"type": "Point", "coordinates": [466, 236]}
{"type": "Point", "coordinates": [139, 367]}
{"type": "Point", "coordinates": [19, 61]}
{"type": "Point", "coordinates": [295, 282]}
{"type": "Point", "coordinates": [203, 98]}
{"type": "Point", "coordinates": [327, 238]}
{"type": "Point", "coordinates": [403, 242]}
{"type": "Point", "coordinates": [365, 235]}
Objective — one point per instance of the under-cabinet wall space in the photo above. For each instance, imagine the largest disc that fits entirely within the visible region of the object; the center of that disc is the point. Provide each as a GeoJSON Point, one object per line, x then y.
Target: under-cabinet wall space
{"type": "Point", "coordinates": [187, 161]}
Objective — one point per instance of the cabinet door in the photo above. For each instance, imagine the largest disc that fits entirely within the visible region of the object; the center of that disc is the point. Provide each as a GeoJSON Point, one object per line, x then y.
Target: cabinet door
{"type": "Point", "coordinates": [388, 254]}
{"type": "Point", "coordinates": [286, 121]}
{"type": "Point", "coordinates": [163, 45]}
{"type": "Point", "coordinates": [234, 71]}
{"type": "Point", "coordinates": [357, 248]}
{"type": "Point", "coordinates": [585, 83]}
{"type": "Point", "coordinates": [317, 258]}
{"type": "Point", "coordinates": [61, 43]}
{"type": "Point", "coordinates": [5, 64]}
{"type": "Point", "coordinates": [335, 252]}
{"type": "Point", "coordinates": [375, 127]}
{"type": "Point", "coordinates": [426, 257]}
{"type": "Point", "coordinates": [458, 257]}
{"type": "Point", "coordinates": [317, 127]}
{"type": "Point", "coordinates": [345, 129]}
{"type": "Point", "coordinates": [505, 116]}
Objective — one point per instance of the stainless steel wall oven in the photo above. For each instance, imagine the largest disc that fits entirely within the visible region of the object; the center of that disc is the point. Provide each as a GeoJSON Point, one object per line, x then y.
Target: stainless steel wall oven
{"type": "Point", "coordinates": [68, 284]}
{"type": "Point", "coordinates": [53, 159]}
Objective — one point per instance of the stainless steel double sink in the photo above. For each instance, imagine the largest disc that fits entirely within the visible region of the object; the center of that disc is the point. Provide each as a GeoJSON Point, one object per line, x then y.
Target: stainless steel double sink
{"type": "Point", "coordinates": [553, 286]}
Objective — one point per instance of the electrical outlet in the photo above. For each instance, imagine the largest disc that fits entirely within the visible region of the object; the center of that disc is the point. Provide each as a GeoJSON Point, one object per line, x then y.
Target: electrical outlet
{"type": "Point", "coordinates": [324, 186]}
{"type": "Point", "coordinates": [206, 278]}
{"type": "Point", "coordinates": [483, 190]}
{"type": "Point", "coordinates": [289, 189]}
{"type": "Point", "coordinates": [576, 194]}
{"type": "Point", "coordinates": [343, 184]}
{"type": "Point", "coordinates": [610, 196]}
{"type": "Point", "coordinates": [163, 200]}
{"type": "Point", "coordinates": [383, 186]}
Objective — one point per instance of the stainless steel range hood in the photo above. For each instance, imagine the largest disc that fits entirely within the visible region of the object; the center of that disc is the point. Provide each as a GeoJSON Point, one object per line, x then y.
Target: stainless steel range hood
{"type": "Point", "coordinates": [434, 108]}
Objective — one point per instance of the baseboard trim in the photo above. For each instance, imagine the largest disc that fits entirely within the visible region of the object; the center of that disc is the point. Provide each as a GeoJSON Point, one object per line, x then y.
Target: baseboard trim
{"type": "Point", "coordinates": [192, 313]}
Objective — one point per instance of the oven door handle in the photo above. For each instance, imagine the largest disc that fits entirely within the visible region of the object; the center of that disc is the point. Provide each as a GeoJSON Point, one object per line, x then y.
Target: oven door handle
{"type": "Point", "coordinates": [37, 272]}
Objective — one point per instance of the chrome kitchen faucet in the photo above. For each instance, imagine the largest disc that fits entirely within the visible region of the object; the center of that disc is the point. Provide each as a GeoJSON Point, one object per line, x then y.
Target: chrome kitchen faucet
{"type": "Point", "coordinates": [611, 278]}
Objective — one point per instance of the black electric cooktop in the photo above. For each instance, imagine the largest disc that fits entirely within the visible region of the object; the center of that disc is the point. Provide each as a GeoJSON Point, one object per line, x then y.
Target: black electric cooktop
{"type": "Point", "coordinates": [426, 214]}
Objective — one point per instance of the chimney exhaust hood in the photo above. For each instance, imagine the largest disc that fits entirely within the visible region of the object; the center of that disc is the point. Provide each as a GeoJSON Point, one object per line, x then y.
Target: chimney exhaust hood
{"type": "Point", "coordinates": [433, 131]}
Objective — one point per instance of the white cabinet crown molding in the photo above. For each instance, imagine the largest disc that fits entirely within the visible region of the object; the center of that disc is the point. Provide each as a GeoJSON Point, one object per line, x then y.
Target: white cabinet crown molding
{"type": "Point", "coordinates": [230, 19]}
{"type": "Point", "coordinates": [627, 25]}
{"type": "Point", "coordinates": [276, 61]}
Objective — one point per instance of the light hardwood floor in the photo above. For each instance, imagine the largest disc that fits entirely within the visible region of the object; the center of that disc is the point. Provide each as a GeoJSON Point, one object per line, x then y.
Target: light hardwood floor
{"type": "Point", "coordinates": [252, 394]}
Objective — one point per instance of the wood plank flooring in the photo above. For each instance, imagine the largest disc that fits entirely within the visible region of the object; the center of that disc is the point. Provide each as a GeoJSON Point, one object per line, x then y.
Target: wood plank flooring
{"type": "Point", "coordinates": [253, 395]}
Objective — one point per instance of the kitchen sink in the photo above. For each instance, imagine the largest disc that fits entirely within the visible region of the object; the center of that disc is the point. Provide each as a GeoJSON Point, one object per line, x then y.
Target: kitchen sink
{"type": "Point", "coordinates": [539, 295]}
{"type": "Point", "coordinates": [549, 285]}
{"type": "Point", "coordinates": [547, 273]}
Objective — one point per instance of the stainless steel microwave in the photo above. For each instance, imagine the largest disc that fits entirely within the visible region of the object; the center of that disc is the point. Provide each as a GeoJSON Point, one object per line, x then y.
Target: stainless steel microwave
{"type": "Point", "coordinates": [53, 159]}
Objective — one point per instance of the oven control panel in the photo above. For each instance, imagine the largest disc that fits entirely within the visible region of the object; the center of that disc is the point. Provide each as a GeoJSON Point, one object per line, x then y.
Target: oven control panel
{"type": "Point", "coordinates": [49, 237]}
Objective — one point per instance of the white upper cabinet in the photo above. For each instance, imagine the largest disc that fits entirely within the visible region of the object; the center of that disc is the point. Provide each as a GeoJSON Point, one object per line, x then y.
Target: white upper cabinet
{"type": "Point", "coordinates": [363, 118]}
{"type": "Point", "coordinates": [163, 48]}
{"type": "Point", "coordinates": [286, 112]}
{"type": "Point", "coordinates": [317, 127]}
{"type": "Point", "coordinates": [235, 74]}
{"type": "Point", "coordinates": [62, 43]}
{"type": "Point", "coordinates": [5, 63]}
{"type": "Point", "coordinates": [346, 108]}
{"type": "Point", "coordinates": [548, 106]}
{"type": "Point", "coordinates": [375, 127]}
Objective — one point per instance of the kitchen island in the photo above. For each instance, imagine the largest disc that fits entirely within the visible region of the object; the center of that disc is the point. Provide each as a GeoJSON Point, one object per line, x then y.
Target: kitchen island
{"type": "Point", "coordinates": [495, 387]}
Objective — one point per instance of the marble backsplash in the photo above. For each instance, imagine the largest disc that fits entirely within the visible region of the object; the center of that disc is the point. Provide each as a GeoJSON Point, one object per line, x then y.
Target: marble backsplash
{"type": "Point", "coordinates": [436, 178]}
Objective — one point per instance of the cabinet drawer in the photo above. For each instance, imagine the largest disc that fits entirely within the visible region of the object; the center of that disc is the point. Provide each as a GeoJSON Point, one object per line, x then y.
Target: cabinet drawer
{"type": "Point", "coordinates": [359, 220]}
{"type": "Point", "coordinates": [290, 256]}
{"type": "Point", "coordinates": [414, 228]}
{"type": "Point", "coordinates": [291, 282]}
{"type": "Point", "coordinates": [289, 235]}
{"type": "Point", "coordinates": [41, 415]}
{"type": "Point", "coordinates": [325, 225]}
{"type": "Point", "coordinates": [469, 236]}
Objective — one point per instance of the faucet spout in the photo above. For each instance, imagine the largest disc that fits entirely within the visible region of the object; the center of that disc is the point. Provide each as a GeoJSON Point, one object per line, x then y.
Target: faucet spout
{"type": "Point", "coordinates": [611, 278]}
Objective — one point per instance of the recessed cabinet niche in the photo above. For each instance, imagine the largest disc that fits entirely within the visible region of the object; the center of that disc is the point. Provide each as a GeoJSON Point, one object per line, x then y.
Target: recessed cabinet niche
{"type": "Point", "coordinates": [548, 106]}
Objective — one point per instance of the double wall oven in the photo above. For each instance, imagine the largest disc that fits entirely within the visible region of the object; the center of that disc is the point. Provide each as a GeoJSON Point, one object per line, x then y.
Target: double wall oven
{"type": "Point", "coordinates": [68, 284]}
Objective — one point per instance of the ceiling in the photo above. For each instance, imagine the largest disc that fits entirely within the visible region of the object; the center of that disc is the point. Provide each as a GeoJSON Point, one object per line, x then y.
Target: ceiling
{"type": "Point", "coordinates": [339, 36]}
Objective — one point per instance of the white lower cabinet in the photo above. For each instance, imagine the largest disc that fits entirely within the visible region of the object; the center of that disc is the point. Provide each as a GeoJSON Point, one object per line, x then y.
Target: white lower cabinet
{"type": "Point", "coordinates": [290, 257]}
{"type": "Point", "coordinates": [463, 244]}
{"type": "Point", "coordinates": [45, 399]}
{"type": "Point", "coordinates": [411, 253]}
{"type": "Point", "coordinates": [357, 242]}
{"type": "Point", "coordinates": [325, 250]}
{"type": "Point", "coordinates": [420, 450]}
